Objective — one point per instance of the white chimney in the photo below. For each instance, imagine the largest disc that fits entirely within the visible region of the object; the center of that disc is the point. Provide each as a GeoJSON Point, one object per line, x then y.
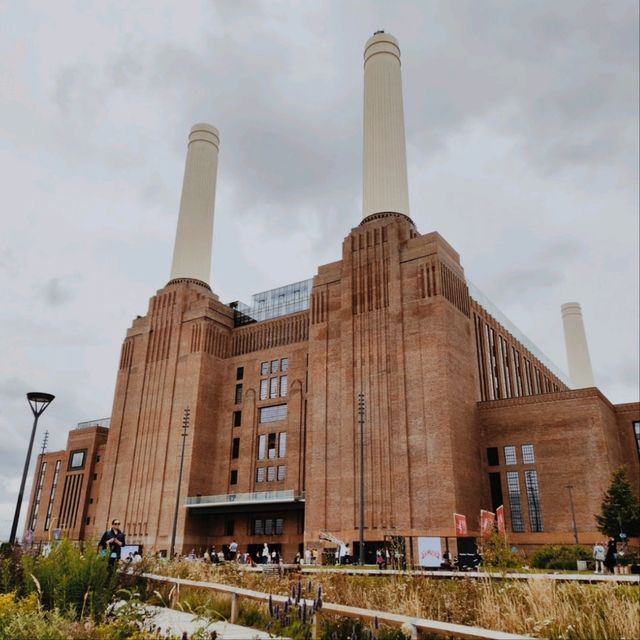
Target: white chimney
{"type": "Point", "coordinates": [576, 343]}
{"type": "Point", "coordinates": [384, 184]}
{"type": "Point", "coordinates": [194, 237]}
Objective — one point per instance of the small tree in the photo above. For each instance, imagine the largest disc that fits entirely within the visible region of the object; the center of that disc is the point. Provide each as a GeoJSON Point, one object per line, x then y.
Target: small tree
{"type": "Point", "coordinates": [620, 510]}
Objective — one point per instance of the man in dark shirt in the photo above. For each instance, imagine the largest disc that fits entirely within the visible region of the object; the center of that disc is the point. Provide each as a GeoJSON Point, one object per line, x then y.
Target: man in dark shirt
{"type": "Point", "coordinates": [112, 542]}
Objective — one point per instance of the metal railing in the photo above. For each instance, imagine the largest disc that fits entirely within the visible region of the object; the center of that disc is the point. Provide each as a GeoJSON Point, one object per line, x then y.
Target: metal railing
{"type": "Point", "coordinates": [257, 497]}
{"type": "Point", "coordinates": [101, 422]}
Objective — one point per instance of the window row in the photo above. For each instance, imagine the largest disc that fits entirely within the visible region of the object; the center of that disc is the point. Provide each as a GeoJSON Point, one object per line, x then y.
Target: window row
{"type": "Point", "coordinates": [510, 455]}
{"type": "Point", "coordinates": [267, 526]}
{"type": "Point", "coordinates": [516, 509]}
{"type": "Point", "coordinates": [271, 474]}
{"type": "Point", "coordinates": [274, 387]}
{"type": "Point", "coordinates": [274, 366]}
{"type": "Point", "coordinates": [267, 445]}
{"type": "Point", "coordinates": [503, 371]}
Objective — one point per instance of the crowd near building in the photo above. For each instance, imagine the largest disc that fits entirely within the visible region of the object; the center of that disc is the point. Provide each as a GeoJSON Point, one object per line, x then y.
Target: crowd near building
{"type": "Point", "coordinates": [388, 370]}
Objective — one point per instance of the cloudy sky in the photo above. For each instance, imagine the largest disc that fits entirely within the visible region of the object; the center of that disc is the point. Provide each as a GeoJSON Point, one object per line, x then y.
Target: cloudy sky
{"type": "Point", "coordinates": [522, 141]}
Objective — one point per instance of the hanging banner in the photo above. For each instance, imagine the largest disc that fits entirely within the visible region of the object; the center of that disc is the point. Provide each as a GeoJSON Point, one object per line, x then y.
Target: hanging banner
{"type": "Point", "coordinates": [500, 519]}
{"type": "Point", "coordinates": [487, 519]}
{"type": "Point", "coordinates": [429, 552]}
{"type": "Point", "coordinates": [460, 522]}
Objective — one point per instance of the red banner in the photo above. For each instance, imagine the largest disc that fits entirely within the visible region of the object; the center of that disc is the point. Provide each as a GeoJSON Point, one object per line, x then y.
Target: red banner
{"type": "Point", "coordinates": [460, 523]}
{"type": "Point", "coordinates": [487, 519]}
{"type": "Point", "coordinates": [500, 519]}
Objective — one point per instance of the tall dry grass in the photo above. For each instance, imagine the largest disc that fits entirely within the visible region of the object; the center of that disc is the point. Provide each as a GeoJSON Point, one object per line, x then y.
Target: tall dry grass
{"type": "Point", "coordinates": [537, 607]}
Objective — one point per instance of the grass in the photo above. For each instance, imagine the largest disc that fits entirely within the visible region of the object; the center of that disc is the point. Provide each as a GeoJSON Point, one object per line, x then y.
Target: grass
{"type": "Point", "coordinates": [540, 608]}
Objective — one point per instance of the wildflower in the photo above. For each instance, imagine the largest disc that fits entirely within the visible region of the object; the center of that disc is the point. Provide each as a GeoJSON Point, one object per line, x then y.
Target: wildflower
{"type": "Point", "coordinates": [270, 606]}
{"type": "Point", "coordinates": [309, 586]}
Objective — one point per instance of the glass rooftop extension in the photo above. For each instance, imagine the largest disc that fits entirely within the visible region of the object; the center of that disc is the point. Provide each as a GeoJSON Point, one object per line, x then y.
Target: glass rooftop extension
{"type": "Point", "coordinates": [274, 303]}
{"type": "Point", "coordinates": [295, 297]}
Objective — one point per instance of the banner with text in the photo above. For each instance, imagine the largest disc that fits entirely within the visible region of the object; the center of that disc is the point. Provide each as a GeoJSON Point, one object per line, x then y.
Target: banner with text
{"type": "Point", "coordinates": [460, 522]}
{"type": "Point", "coordinates": [487, 519]}
{"type": "Point", "coordinates": [429, 552]}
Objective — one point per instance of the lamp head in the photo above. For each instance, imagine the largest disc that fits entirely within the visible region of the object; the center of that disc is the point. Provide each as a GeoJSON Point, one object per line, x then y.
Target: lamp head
{"type": "Point", "coordinates": [39, 401]}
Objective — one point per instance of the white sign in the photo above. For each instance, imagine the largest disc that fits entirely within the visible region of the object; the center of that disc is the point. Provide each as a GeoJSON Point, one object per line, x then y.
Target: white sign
{"type": "Point", "coordinates": [429, 553]}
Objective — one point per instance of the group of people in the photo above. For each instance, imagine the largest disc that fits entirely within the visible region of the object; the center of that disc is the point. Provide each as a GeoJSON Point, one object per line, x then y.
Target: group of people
{"type": "Point", "coordinates": [605, 557]}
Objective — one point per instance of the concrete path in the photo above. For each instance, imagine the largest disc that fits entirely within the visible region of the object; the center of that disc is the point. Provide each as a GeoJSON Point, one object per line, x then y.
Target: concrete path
{"type": "Point", "coordinates": [172, 622]}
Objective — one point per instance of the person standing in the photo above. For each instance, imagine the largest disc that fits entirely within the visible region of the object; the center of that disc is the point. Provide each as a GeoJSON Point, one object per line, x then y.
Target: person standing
{"type": "Point", "coordinates": [233, 550]}
{"type": "Point", "coordinates": [112, 541]}
{"type": "Point", "coordinates": [266, 556]}
{"type": "Point", "coordinates": [610, 556]}
{"type": "Point", "coordinates": [599, 556]}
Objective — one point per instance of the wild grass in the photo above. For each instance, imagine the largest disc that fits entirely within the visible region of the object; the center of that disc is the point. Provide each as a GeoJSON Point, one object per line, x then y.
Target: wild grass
{"type": "Point", "coordinates": [537, 607]}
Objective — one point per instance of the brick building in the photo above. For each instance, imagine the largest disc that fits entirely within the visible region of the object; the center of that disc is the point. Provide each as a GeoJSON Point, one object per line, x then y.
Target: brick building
{"type": "Point", "coordinates": [461, 412]}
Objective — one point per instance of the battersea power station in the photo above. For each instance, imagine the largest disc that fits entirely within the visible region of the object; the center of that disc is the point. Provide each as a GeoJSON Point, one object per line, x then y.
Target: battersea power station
{"type": "Point", "coordinates": [385, 393]}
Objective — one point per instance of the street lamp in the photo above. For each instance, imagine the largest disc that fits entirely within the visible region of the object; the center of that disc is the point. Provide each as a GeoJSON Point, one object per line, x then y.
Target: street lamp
{"type": "Point", "coordinates": [185, 428]}
{"type": "Point", "coordinates": [38, 403]}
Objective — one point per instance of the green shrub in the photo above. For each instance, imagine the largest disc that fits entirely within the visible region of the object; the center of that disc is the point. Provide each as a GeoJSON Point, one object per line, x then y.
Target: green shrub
{"type": "Point", "coordinates": [75, 584]}
{"type": "Point", "coordinates": [497, 554]}
{"type": "Point", "coordinates": [560, 556]}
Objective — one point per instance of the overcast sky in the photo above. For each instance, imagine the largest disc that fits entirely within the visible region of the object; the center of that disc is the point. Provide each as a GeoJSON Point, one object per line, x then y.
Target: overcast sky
{"type": "Point", "coordinates": [522, 142]}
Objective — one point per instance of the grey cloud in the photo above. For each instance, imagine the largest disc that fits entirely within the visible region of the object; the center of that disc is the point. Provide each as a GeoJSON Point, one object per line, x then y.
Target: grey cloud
{"type": "Point", "coordinates": [55, 293]}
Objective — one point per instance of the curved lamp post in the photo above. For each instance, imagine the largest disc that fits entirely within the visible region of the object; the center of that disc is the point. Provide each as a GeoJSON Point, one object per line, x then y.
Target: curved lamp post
{"type": "Point", "coordinates": [38, 403]}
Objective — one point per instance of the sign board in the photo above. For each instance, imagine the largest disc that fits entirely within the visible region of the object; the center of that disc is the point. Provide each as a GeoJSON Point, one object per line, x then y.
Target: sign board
{"type": "Point", "coordinates": [429, 553]}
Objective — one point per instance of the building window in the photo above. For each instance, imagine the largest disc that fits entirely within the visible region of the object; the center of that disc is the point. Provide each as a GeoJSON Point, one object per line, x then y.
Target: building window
{"type": "Point", "coordinates": [496, 490]}
{"type": "Point", "coordinates": [90, 500]}
{"type": "Point", "coordinates": [229, 527]}
{"type": "Point", "coordinates": [271, 446]}
{"type": "Point", "coordinates": [267, 526]}
{"type": "Point", "coordinates": [237, 418]}
{"type": "Point", "coordinates": [234, 477]}
{"type": "Point", "coordinates": [258, 527]}
{"type": "Point", "coordinates": [281, 472]}
{"type": "Point", "coordinates": [88, 520]}
{"type": "Point", "coordinates": [235, 448]}
{"type": "Point", "coordinates": [528, 455]}
{"type": "Point", "coordinates": [97, 458]}
{"type": "Point", "coordinates": [510, 455]}
{"type": "Point", "coordinates": [262, 447]}
{"type": "Point", "coordinates": [527, 371]}
{"type": "Point", "coordinates": [271, 474]}
{"type": "Point", "coordinates": [273, 388]}
{"type": "Point", "coordinates": [492, 456]}
{"type": "Point", "coordinates": [538, 380]}
{"type": "Point", "coordinates": [238, 394]}
{"type": "Point", "coordinates": [493, 357]}
{"type": "Point", "coordinates": [282, 445]}
{"type": "Point", "coordinates": [284, 365]}
{"type": "Point", "coordinates": [506, 368]}
{"type": "Point", "coordinates": [264, 389]}
{"type": "Point", "coordinates": [513, 486]}
{"type": "Point", "coordinates": [239, 373]}
{"type": "Point", "coordinates": [95, 476]}
{"type": "Point", "coordinates": [284, 386]}
{"type": "Point", "coordinates": [264, 369]}
{"type": "Point", "coordinates": [518, 371]}
{"type": "Point", "coordinates": [636, 431]}
{"type": "Point", "coordinates": [54, 486]}
{"type": "Point", "coordinates": [533, 498]}
{"type": "Point", "coordinates": [275, 366]}
{"type": "Point", "coordinates": [76, 460]}
{"type": "Point", "coordinates": [273, 414]}
{"type": "Point", "coordinates": [279, 530]}
{"type": "Point", "coordinates": [260, 474]}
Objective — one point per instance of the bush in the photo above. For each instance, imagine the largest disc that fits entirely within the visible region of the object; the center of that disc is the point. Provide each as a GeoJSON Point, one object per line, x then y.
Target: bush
{"type": "Point", "coordinates": [496, 553]}
{"type": "Point", "coordinates": [73, 583]}
{"type": "Point", "coordinates": [560, 556]}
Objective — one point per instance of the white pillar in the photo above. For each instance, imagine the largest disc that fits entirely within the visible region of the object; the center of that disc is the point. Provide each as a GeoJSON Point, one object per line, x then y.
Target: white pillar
{"type": "Point", "coordinates": [576, 343]}
{"type": "Point", "coordinates": [384, 180]}
{"type": "Point", "coordinates": [194, 237]}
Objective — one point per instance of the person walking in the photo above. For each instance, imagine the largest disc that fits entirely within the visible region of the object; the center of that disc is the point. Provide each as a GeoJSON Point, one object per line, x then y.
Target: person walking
{"type": "Point", "coordinates": [599, 556]}
{"type": "Point", "coordinates": [111, 542]}
{"type": "Point", "coordinates": [610, 556]}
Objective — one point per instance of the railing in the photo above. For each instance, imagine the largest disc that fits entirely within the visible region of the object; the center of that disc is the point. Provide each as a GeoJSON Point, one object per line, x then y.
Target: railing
{"type": "Point", "coordinates": [415, 625]}
{"type": "Point", "coordinates": [257, 497]}
{"type": "Point", "coordinates": [101, 422]}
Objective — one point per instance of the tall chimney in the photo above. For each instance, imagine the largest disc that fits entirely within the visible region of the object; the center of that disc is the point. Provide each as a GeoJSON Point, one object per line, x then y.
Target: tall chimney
{"type": "Point", "coordinates": [192, 251]}
{"type": "Point", "coordinates": [576, 343]}
{"type": "Point", "coordinates": [384, 184]}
